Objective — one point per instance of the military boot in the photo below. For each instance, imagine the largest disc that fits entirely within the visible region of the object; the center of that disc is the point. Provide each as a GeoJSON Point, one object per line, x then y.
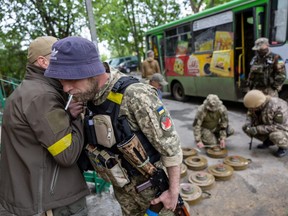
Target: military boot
{"type": "Point", "coordinates": [265, 144]}
{"type": "Point", "coordinates": [281, 152]}
{"type": "Point", "coordinates": [229, 131]}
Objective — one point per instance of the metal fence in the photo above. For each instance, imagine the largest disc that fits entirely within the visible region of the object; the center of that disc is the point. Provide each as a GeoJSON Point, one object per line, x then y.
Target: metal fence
{"type": "Point", "coordinates": [7, 86]}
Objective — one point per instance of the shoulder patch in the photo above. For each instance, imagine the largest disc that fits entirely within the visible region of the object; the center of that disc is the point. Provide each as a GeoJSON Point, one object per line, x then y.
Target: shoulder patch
{"type": "Point", "coordinates": [160, 110]}
{"type": "Point", "coordinates": [166, 123]}
{"type": "Point", "coordinates": [280, 61]}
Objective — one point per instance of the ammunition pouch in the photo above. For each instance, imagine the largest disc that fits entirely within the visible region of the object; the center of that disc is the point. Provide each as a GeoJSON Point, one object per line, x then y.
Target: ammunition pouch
{"type": "Point", "coordinates": [108, 166]}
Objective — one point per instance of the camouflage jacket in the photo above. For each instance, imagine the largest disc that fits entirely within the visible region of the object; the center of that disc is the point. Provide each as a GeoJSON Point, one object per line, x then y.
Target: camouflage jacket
{"type": "Point", "coordinates": [146, 112]}
{"type": "Point", "coordinates": [273, 117]}
{"type": "Point", "coordinates": [214, 121]}
{"type": "Point", "coordinates": [267, 72]}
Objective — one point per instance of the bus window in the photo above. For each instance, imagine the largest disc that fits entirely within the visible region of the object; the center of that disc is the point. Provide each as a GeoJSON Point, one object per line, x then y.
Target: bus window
{"type": "Point", "coordinates": [171, 46]}
{"type": "Point", "coordinates": [178, 41]}
{"type": "Point", "coordinates": [204, 40]}
{"type": "Point", "coordinates": [171, 32]}
{"type": "Point", "coordinates": [184, 29]}
{"type": "Point", "coordinates": [223, 37]}
{"type": "Point", "coordinates": [278, 25]}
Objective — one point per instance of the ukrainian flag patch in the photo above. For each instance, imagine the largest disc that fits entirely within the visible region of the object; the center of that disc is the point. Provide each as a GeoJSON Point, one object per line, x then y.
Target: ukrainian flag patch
{"type": "Point", "coordinates": [161, 110]}
{"type": "Point", "coordinates": [280, 61]}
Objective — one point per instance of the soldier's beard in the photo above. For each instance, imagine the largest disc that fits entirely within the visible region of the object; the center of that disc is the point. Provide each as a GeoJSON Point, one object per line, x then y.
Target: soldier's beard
{"type": "Point", "coordinates": [89, 94]}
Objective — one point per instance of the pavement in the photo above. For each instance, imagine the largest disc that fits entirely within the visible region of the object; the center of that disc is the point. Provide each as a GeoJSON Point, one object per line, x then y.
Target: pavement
{"type": "Point", "coordinates": [259, 190]}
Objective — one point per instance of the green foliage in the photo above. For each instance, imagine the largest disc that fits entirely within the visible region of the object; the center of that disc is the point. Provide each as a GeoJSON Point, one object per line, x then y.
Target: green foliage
{"type": "Point", "coordinates": [121, 23]}
{"type": "Point", "coordinates": [21, 21]}
{"type": "Point", "coordinates": [198, 5]}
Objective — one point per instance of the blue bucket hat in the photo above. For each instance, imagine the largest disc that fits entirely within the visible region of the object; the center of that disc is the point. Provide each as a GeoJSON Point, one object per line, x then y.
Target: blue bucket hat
{"type": "Point", "coordinates": [74, 58]}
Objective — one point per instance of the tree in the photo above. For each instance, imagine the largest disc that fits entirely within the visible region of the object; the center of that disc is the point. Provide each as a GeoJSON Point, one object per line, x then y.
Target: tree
{"type": "Point", "coordinates": [198, 5]}
{"type": "Point", "coordinates": [22, 21]}
{"type": "Point", "coordinates": [121, 23]}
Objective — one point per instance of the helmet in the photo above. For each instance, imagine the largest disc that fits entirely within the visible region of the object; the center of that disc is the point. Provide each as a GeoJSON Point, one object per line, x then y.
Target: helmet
{"type": "Point", "coordinates": [254, 99]}
{"type": "Point", "coordinates": [212, 102]}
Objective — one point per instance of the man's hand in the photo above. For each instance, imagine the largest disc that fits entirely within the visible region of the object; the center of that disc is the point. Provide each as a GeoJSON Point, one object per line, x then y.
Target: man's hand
{"type": "Point", "coordinates": [252, 131]}
{"type": "Point", "coordinates": [200, 145]}
{"type": "Point", "coordinates": [75, 108]}
{"type": "Point", "coordinates": [245, 126]}
{"type": "Point", "coordinates": [168, 198]}
{"type": "Point", "coordinates": [222, 143]}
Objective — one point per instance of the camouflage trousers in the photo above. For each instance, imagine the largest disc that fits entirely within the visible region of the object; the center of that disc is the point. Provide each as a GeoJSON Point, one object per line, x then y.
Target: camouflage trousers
{"type": "Point", "coordinates": [210, 137]}
{"type": "Point", "coordinates": [133, 203]}
{"type": "Point", "coordinates": [279, 138]}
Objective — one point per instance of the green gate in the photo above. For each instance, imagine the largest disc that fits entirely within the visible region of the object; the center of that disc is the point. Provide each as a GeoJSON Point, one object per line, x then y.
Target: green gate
{"type": "Point", "coordinates": [7, 86]}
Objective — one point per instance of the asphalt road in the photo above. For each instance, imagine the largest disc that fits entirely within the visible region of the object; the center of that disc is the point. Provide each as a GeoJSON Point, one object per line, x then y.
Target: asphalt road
{"type": "Point", "coordinates": [260, 190]}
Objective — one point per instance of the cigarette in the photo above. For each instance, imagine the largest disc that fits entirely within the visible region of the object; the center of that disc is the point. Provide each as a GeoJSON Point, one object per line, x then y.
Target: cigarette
{"type": "Point", "coordinates": [69, 101]}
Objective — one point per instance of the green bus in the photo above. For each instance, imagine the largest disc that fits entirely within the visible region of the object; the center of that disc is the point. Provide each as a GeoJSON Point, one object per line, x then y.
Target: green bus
{"type": "Point", "coordinates": [210, 52]}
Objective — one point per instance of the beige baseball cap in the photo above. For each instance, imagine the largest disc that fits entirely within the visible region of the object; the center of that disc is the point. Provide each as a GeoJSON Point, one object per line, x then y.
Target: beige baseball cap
{"type": "Point", "coordinates": [259, 42]}
{"type": "Point", "coordinates": [157, 77]}
{"type": "Point", "coordinates": [41, 46]}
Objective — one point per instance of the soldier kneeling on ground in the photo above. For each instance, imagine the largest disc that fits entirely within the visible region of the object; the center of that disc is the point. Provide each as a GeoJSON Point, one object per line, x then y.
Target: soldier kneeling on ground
{"type": "Point", "coordinates": [267, 120]}
{"type": "Point", "coordinates": [211, 123]}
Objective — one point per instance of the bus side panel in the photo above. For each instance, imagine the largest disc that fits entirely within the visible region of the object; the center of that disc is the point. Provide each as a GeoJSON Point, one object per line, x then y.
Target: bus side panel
{"type": "Point", "coordinates": [176, 66]}
{"type": "Point", "coordinates": [216, 85]}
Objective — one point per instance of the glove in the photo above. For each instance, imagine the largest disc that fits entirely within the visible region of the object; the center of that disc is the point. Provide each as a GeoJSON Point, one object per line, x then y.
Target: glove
{"type": "Point", "coordinates": [252, 131]}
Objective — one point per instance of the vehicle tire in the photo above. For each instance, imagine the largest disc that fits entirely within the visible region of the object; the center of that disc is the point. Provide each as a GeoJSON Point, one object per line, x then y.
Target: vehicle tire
{"type": "Point", "coordinates": [178, 92]}
{"type": "Point", "coordinates": [128, 70]}
{"type": "Point", "coordinates": [207, 69]}
{"type": "Point", "coordinates": [284, 94]}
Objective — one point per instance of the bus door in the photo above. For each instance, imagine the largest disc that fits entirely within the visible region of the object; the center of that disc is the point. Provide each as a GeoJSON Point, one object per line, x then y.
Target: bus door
{"type": "Point", "coordinates": [248, 25]}
{"type": "Point", "coordinates": [155, 43]}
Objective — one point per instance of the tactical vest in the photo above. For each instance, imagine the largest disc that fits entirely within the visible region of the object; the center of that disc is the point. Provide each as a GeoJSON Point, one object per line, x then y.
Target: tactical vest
{"type": "Point", "coordinates": [111, 107]}
{"type": "Point", "coordinates": [262, 72]}
{"type": "Point", "coordinates": [211, 120]}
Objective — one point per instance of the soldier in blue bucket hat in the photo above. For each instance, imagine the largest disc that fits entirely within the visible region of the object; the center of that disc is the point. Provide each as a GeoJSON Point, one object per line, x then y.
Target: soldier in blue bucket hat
{"type": "Point", "coordinates": [119, 107]}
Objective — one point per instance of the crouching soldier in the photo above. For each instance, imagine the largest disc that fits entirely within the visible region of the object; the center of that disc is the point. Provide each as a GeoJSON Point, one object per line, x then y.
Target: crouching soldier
{"type": "Point", "coordinates": [267, 120]}
{"type": "Point", "coordinates": [210, 126]}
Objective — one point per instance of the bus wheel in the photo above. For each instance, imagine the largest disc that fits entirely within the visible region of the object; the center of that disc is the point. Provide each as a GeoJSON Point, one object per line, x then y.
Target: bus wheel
{"type": "Point", "coordinates": [207, 69]}
{"type": "Point", "coordinates": [284, 94]}
{"type": "Point", "coordinates": [178, 92]}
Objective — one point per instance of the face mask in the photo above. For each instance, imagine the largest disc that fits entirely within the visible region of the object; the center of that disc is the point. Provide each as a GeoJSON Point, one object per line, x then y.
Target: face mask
{"type": "Point", "coordinates": [262, 52]}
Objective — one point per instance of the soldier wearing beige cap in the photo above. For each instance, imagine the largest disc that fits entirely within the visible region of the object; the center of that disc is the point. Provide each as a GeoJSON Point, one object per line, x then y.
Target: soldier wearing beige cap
{"type": "Point", "coordinates": [41, 143]}
{"type": "Point", "coordinates": [267, 72]}
{"type": "Point", "coordinates": [158, 81]}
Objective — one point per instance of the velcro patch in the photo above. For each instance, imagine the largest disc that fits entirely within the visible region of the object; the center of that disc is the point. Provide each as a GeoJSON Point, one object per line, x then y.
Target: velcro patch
{"type": "Point", "coordinates": [161, 110]}
{"type": "Point", "coordinates": [166, 123]}
{"type": "Point", "coordinates": [57, 120]}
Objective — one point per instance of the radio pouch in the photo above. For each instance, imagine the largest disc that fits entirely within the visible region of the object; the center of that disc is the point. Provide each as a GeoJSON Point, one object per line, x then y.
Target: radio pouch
{"type": "Point", "coordinates": [104, 130]}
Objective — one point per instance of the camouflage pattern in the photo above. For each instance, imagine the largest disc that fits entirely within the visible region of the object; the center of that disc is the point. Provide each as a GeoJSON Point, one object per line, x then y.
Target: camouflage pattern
{"type": "Point", "coordinates": [134, 203]}
{"type": "Point", "coordinates": [210, 126]}
{"type": "Point", "coordinates": [267, 74]}
{"type": "Point", "coordinates": [144, 111]}
{"type": "Point", "coordinates": [271, 121]}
